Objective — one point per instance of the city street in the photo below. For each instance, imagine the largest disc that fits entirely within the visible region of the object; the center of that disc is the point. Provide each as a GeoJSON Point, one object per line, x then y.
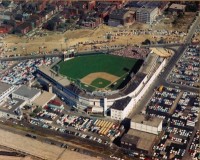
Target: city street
{"type": "Point", "coordinates": [161, 80]}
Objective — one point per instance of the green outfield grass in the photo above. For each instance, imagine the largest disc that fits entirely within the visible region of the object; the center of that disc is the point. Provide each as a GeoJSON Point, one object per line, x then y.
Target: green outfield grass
{"type": "Point", "coordinates": [100, 83]}
{"type": "Point", "coordinates": [80, 67]}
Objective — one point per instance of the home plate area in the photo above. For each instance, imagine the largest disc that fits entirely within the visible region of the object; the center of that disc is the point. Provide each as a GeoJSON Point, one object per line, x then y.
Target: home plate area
{"type": "Point", "coordinates": [99, 79]}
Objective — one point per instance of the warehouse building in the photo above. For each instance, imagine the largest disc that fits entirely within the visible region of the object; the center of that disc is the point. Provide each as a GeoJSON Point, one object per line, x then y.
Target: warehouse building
{"type": "Point", "coordinates": [11, 108]}
{"type": "Point", "coordinates": [26, 93]}
{"type": "Point", "coordinates": [147, 124]}
{"type": "Point", "coordinates": [139, 141]}
{"type": "Point", "coordinates": [5, 90]}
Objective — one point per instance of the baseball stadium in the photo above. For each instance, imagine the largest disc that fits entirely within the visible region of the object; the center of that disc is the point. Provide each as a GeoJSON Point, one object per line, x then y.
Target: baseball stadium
{"type": "Point", "coordinates": [100, 78]}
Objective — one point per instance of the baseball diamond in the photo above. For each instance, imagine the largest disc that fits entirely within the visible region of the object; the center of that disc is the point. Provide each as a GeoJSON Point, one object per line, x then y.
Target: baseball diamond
{"type": "Point", "coordinates": [98, 71]}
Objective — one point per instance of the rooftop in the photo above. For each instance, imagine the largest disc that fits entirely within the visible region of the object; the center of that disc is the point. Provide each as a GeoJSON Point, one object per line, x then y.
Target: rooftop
{"type": "Point", "coordinates": [63, 81]}
{"type": "Point", "coordinates": [4, 87]}
{"type": "Point", "coordinates": [130, 138]}
{"type": "Point", "coordinates": [26, 91]}
{"type": "Point", "coordinates": [146, 10]}
{"type": "Point", "coordinates": [150, 121]}
{"type": "Point", "coordinates": [177, 6]}
{"type": "Point", "coordinates": [44, 98]}
{"type": "Point", "coordinates": [119, 13]}
{"type": "Point", "coordinates": [146, 140]}
{"type": "Point", "coordinates": [10, 106]}
{"type": "Point", "coordinates": [121, 104]}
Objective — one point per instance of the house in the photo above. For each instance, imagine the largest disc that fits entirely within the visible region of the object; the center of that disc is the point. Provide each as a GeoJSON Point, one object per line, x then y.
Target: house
{"type": "Point", "coordinates": [90, 19]}
{"type": "Point", "coordinates": [68, 12]}
{"type": "Point", "coordinates": [12, 6]}
{"type": "Point", "coordinates": [23, 28]}
{"type": "Point", "coordinates": [91, 5]}
{"type": "Point", "coordinates": [177, 8]}
{"type": "Point", "coordinates": [53, 23]}
{"type": "Point", "coordinates": [92, 22]}
{"type": "Point", "coordinates": [103, 9]}
{"type": "Point", "coordinates": [81, 5]}
{"type": "Point", "coordinates": [19, 18]}
{"type": "Point", "coordinates": [35, 20]}
{"type": "Point", "coordinates": [41, 5]}
{"type": "Point", "coordinates": [7, 15]}
{"type": "Point", "coordinates": [4, 28]}
{"type": "Point", "coordinates": [121, 17]}
{"type": "Point", "coordinates": [120, 109]}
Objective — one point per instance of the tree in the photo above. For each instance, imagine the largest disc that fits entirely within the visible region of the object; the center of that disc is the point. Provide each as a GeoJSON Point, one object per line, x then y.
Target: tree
{"type": "Point", "coordinates": [50, 25]}
{"type": "Point", "coordinates": [37, 110]}
{"type": "Point", "coordinates": [146, 42]}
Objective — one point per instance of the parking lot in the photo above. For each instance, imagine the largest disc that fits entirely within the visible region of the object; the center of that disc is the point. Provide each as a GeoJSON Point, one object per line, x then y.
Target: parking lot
{"type": "Point", "coordinates": [23, 72]}
{"type": "Point", "coordinates": [194, 149]}
{"type": "Point", "coordinates": [172, 144]}
{"type": "Point", "coordinates": [180, 111]}
{"type": "Point", "coordinates": [162, 102]}
{"type": "Point", "coordinates": [186, 71]}
{"type": "Point", "coordinates": [56, 117]}
{"type": "Point", "coordinates": [187, 110]}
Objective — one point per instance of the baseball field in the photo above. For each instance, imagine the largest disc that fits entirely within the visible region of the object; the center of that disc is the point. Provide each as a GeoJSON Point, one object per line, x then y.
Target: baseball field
{"type": "Point", "coordinates": [97, 72]}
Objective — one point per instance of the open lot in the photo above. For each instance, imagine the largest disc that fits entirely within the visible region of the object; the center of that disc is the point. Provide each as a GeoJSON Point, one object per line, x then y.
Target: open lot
{"type": "Point", "coordinates": [85, 68]}
{"type": "Point", "coordinates": [34, 147]}
{"type": "Point", "coordinates": [175, 23]}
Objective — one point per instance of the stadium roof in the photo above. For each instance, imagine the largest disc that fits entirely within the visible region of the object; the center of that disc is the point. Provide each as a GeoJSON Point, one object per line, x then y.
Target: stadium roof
{"type": "Point", "coordinates": [121, 104]}
{"type": "Point", "coordinates": [62, 80]}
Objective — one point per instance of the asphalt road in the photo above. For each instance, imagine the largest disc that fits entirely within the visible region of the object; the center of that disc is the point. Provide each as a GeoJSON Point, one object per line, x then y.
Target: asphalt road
{"type": "Point", "coordinates": [17, 58]}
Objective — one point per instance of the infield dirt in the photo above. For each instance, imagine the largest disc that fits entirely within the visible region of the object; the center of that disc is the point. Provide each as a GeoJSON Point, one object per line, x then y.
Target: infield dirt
{"type": "Point", "coordinates": [92, 76]}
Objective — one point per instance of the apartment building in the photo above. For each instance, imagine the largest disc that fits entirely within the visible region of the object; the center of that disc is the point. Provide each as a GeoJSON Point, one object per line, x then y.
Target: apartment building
{"type": "Point", "coordinates": [147, 15]}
